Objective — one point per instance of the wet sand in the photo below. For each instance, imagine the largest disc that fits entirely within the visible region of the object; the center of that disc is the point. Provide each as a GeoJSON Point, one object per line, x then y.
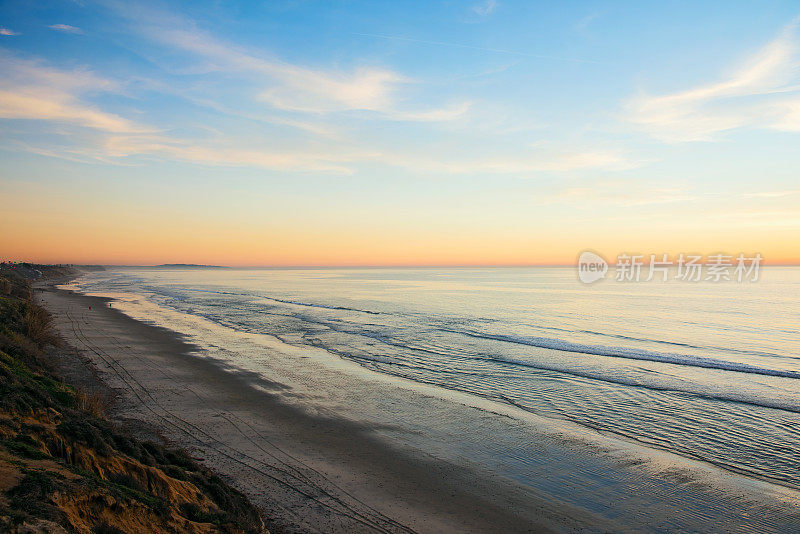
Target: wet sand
{"type": "Point", "coordinates": [307, 472]}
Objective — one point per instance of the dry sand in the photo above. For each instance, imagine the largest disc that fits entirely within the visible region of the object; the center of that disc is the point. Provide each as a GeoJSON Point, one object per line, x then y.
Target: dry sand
{"type": "Point", "coordinates": [307, 473]}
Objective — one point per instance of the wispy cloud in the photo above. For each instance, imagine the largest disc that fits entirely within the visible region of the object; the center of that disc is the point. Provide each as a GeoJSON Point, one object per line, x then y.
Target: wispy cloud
{"type": "Point", "coordinates": [322, 128]}
{"type": "Point", "coordinates": [772, 194]}
{"type": "Point", "coordinates": [59, 98]}
{"type": "Point", "coordinates": [484, 9]}
{"type": "Point", "coordinates": [338, 159]}
{"type": "Point", "coordinates": [585, 21]}
{"type": "Point", "coordinates": [288, 86]}
{"type": "Point", "coordinates": [66, 28]}
{"type": "Point", "coordinates": [265, 89]}
{"type": "Point", "coordinates": [58, 107]}
{"type": "Point", "coordinates": [539, 161]}
{"type": "Point", "coordinates": [764, 92]}
{"type": "Point", "coordinates": [235, 155]}
{"type": "Point", "coordinates": [6, 31]}
{"type": "Point", "coordinates": [307, 90]}
{"type": "Point", "coordinates": [447, 113]}
{"type": "Point", "coordinates": [30, 90]}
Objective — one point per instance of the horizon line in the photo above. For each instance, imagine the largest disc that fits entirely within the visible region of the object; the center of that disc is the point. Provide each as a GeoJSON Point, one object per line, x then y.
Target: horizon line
{"type": "Point", "coordinates": [790, 263]}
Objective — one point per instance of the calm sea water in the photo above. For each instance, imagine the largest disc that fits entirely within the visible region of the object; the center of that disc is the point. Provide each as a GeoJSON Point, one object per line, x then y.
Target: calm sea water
{"type": "Point", "coordinates": [708, 371]}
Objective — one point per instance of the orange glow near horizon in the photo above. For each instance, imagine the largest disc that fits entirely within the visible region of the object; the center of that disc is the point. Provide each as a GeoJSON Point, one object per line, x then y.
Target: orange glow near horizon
{"type": "Point", "coordinates": [59, 224]}
{"type": "Point", "coordinates": [77, 242]}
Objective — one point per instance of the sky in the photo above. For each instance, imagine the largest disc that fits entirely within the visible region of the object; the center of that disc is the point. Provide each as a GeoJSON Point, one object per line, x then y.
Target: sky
{"type": "Point", "coordinates": [397, 133]}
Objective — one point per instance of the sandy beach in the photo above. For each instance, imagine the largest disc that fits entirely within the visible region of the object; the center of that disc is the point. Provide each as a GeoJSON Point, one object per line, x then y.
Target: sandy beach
{"type": "Point", "coordinates": [306, 472]}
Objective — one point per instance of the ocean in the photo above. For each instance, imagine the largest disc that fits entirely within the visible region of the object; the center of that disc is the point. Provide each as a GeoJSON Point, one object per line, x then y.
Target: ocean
{"type": "Point", "coordinates": [707, 371]}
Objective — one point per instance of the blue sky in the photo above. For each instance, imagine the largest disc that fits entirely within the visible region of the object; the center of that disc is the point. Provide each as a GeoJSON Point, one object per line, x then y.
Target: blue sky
{"type": "Point", "coordinates": [394, 132]}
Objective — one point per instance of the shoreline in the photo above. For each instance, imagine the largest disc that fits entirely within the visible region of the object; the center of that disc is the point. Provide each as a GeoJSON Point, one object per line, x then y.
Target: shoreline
{"type": "Point", "coordinates": [591, 437]}
{"type": "Point", "coordinates": [306, 472]}
{"type": "Point", "coordinates": [422, 474]}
